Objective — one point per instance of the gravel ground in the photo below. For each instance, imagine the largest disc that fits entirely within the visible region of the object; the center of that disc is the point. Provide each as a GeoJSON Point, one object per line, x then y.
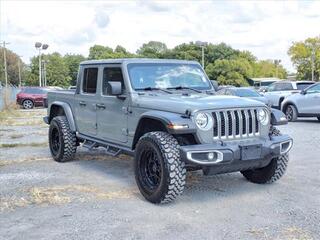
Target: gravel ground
{"type": "Point", "coordinates": [96, 197]}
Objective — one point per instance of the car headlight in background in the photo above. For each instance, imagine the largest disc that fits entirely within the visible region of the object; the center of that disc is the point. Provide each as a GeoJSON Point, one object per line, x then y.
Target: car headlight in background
{"type": "Point", "coordinates": [263, 116]}
{"type": "Point", "coordinates": [203, 121]}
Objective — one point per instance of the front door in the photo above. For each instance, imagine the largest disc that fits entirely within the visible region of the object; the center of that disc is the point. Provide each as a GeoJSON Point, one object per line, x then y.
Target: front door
{"type": "Point", "coordinates": [86, 100]}
{"type": "Point", "coordinates": [112, 110]}
{"type": "Point", "coordinates": [309, 103]}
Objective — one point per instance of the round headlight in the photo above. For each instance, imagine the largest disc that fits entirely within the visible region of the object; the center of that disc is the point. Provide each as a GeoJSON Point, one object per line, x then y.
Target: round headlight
{"type": "Point", "coordinates": [263, 116]}
{"type": "Point", "coordinates": [203, 121]}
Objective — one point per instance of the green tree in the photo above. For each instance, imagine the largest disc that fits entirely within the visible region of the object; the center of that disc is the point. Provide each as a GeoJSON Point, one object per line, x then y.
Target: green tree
{"type": "Point", "coordinates": [267, 68]}
{"type": "Point", "coordinates": [100, 52]}
{"type": "Point", "coordinates": [301, 54]}
{"type": "Point", "coordinates": [13, 61]}
{"type": "Point", "coordinates": [72, 61]}
{"type": "Point", "coordinates": [152, 49]}
{"type": "Point", "coordinates": [230, 72]}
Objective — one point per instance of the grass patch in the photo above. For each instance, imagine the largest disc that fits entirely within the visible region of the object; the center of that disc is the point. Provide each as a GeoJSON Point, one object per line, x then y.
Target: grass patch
{"type": "Point", "coordinates": [13, 145]}
{"type": "Point", "coordinates": [57, 195]}
{"type": "Point", "coordinates": [15, 136]}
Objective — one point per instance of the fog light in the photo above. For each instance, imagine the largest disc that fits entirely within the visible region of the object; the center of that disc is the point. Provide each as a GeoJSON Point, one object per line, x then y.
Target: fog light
{"type": "Point", "coordinates": [210, 156]}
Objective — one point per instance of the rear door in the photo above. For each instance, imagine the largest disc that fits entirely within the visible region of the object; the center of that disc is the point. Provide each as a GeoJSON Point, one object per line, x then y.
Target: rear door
{"type": "Point", "coordinates": [86, 100]}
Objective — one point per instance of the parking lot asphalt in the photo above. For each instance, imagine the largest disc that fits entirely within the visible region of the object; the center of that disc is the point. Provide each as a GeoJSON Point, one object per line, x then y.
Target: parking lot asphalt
{"type": "Point", "coordinates": [95, 196]}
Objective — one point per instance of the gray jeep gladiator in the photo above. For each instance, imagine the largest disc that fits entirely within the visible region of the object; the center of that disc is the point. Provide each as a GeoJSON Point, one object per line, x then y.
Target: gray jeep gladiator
{"type": "Point", "coordinates": [165, 113]}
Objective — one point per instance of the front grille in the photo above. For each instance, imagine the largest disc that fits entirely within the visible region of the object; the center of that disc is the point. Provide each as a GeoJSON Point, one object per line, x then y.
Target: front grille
{"type": "Point", "coordinates": [232, 124]}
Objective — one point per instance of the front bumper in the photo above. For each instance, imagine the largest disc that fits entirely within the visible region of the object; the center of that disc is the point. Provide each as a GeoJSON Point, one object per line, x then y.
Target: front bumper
{"type": "Point", "coordinates": [243, 152]}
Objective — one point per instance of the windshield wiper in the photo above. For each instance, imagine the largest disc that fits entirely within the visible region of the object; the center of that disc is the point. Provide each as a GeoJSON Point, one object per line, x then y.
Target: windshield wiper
{"type": "Point", "coordinates": [153, 88]}
{"type": "Point", "coordinates": [182, 87]}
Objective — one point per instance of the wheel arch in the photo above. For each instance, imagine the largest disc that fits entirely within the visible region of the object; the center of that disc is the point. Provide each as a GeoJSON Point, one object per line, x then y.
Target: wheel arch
{"type": "Point", "coordinates": [162, 121]}
{"type": "Point", "coordinates": [58, 108]}
{"type": "Point", "coordinates": [286, 104]}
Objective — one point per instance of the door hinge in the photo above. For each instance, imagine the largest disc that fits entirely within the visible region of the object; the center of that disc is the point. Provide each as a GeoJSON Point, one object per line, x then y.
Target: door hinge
{"type": "Point", "coordinates": [125, 131]}
{"type": "Point", "coordinates": [126, 110]}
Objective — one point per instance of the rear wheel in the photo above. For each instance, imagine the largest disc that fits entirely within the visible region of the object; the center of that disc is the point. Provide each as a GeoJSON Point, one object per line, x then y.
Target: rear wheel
{"type": "Point", "coordinates": [159, 173]}
{"type": "Point", "coordinates": [27, 104]}
{"type": "Point", "coordinates": [62, 141]}
{"type": "Point", "coordinates": [291, 113]}
{"type": "Point", "coordinates": [273, 171]}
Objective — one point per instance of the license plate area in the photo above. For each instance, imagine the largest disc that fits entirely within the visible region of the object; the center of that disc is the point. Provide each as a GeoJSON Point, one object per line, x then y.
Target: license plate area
{"type": "Point", "coordinates": [251, 152]}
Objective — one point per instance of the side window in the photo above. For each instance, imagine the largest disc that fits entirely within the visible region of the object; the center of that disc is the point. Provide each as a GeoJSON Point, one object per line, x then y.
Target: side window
{"type": "Point", "coordinates": [286, 86]}
{"type": "Point", "coordinates": [314, 89]}
{"type": "Point", "coordinates": [111, 74]}
{"type": "Point", "coordinates": [89, 82]}
{"type": "Point", "coordinates": [272, 87]}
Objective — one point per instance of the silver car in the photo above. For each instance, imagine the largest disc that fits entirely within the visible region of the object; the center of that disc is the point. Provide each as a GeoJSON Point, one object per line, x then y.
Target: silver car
{"type": "Point", "coordinates": [244, 92]}
{"type": "Point", "coordinates": [303, 104]}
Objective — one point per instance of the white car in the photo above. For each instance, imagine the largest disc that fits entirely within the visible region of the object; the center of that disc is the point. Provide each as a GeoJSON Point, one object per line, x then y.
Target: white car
{"type": "Point", "coordinates": [304, 104]}
{"type": "Point", "coordinates": [277, 91]}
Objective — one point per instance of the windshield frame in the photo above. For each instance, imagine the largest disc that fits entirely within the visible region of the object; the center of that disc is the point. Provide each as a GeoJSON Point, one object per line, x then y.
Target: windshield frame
{"type": "Point", "coordinates": [136, 89]}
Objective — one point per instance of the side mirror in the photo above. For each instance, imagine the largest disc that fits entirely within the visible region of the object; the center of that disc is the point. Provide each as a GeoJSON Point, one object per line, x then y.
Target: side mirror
{"type": "Point", "coordinates": [114, 88]}
{"type": "Point", "coordinates": [303, 92]}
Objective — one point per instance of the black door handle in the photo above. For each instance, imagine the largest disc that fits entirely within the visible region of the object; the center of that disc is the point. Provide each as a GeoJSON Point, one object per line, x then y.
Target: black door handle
{"type": "Point", "coordinates": [82, 103]}
{"type": "Point", "coordinates": [101, 106]}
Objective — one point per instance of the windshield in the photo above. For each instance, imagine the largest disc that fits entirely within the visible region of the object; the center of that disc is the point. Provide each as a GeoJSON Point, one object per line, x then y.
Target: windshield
{"type": "Point", "coordinates": [167, 75]}
{"type": "Point", "coordinates": [246, 93]}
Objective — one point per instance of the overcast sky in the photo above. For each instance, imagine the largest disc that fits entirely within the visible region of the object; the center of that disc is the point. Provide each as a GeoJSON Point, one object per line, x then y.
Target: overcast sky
{"type": "Point", "coordinates": [265, 28]}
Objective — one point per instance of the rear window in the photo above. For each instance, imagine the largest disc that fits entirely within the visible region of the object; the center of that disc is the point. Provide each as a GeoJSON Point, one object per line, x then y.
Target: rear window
{"type": "Point", "coordinates": [302, 86]}
{"type": "Point", "coordinates": [90, 77]}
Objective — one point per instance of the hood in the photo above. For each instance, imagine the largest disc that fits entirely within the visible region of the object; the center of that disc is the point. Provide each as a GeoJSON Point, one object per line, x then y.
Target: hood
{"type": "Point", "coordinates": [261, 99]}
{"type": "Point", "coordinates": [180, 103]}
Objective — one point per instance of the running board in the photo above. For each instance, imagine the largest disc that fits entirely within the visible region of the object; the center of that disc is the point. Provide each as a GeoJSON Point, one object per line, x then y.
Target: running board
{"type": "Point", "coordinates": [111, 149]}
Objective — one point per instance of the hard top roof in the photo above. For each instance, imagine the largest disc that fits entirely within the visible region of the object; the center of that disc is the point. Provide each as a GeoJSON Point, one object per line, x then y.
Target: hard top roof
{"type": "Point", "coordinates": [135, 60]}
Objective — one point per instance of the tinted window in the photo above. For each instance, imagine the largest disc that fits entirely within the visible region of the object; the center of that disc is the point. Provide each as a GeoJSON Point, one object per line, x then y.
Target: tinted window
{"type": "Point", "coordinates": [243, 92]}
{"type": "Point", "coordinates": [90, 77]}
{"type": "Point", "coordinates": [112, 75]}
{"type": "Point", "coordinates": [301, 86]}
{"type": "Point", "coordinates": [285, 86]}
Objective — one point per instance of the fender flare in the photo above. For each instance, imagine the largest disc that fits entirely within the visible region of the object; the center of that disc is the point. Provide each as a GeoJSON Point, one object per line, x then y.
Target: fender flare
{"type": "Point", "coordinates": [68, 113]}
{"type": "Point", "coordinates": [171, 119]}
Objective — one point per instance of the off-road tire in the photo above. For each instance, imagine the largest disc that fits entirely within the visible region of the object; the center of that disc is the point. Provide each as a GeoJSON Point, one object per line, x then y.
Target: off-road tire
{"type": "Point", "coordinates": [27, 104]}
{"type": "Point", "coordinates": [68, 141]}
{"type": "Point", "coordinates": [273, 171]}
{"type": "Point", "coordinates": [173, 171]}
{"type": "Point", "coordinates": [291, 113]}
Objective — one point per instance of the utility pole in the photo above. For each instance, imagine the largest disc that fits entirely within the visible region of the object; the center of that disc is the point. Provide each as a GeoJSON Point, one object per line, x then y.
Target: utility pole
{"type": "Point", "coordinates": [277, 62]}
{"type": "Point", "coordinates": [19, 68]}
{"type": "Point", "coordinates": [312, 62]}
{"type": "Point", "coordinates": [5, 62]}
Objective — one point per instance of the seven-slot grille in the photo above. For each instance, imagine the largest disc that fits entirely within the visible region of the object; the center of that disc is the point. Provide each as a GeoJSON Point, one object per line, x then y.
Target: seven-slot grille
{"type": "Point", "coordinates": [238, 123]}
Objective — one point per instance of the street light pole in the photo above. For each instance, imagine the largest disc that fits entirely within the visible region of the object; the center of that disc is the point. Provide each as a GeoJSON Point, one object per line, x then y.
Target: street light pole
{"type": "Point", "coordinates": [202, 45]}
{"type": "Point", "coordinates": [40, 46]}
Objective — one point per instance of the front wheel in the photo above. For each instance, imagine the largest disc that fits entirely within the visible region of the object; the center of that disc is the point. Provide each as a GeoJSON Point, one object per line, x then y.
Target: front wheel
{"type": "Point", "coordinates": [273, 171]}
{"type": "Point", "coordinates": [159, 172]}
{"type": "Point", "coordinates": [62, 141]}
{"type": "Point", "coordinates": [291, 113]}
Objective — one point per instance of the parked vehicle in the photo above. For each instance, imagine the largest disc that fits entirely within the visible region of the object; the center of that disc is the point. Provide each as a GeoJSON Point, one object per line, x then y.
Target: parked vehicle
{"type": "Point", "coordinates": [276, 92]}
{"type": "Point", "coordinates": [304, 104]}
{"type": "Point", "coordinates": [244, 92]}
{"type": "Point", "coordinates": [166, 115]}
{"type": "Point", "coordinates": [30, 97]}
